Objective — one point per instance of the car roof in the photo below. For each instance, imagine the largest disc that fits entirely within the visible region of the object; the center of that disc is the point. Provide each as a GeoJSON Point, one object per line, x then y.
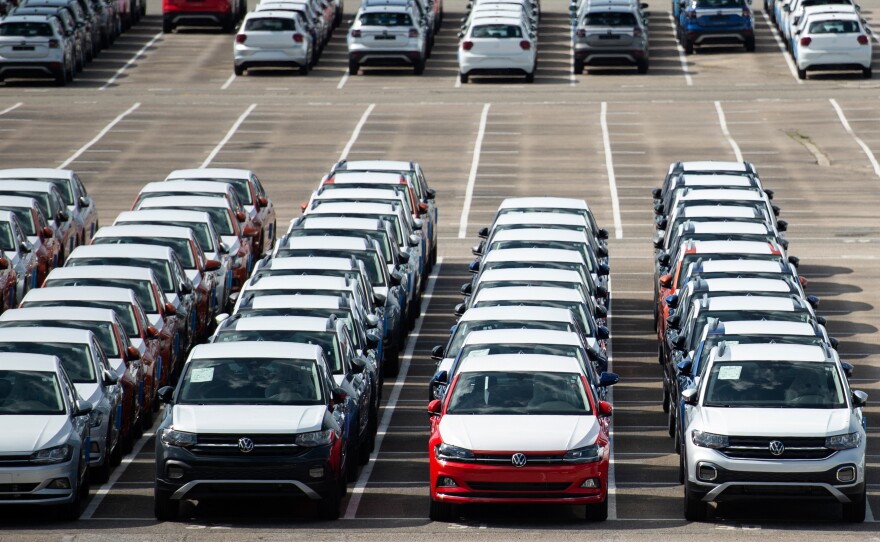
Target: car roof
{"type": "Point", "coordinates": [358, 193]}
{"type": "Point", "coordinates": [30, 172]}
{"type": "Point", "coordinates": [759, 327]}
{"type": "Point", "coordinates": [35, 186]}
{"type": "Point", "coordinates": [385, 8]}
{"type": "Point", "coordinates": [536, 314]}
{"type": "Point", "coordinates": [183, 200]}
{"type": "Point", "coordinates": [184, 186]}
{"type": "Point", "coordinates": [541, 234]}
{"type": "Point", "coordinates": [25, 18]}
{"type": "Point", "coordinates": [378, 165]}
{"type": "Point", "coordinates": [742, 266]}
{"type": "Point", "coordinates": [7, 216]}
{"type": "Point", "coordinates": [295, 263]}
{"type": "Point", "coordinates": [163, 214]}
{"type": "Point", "coordinates": [530, 273]}
{"type": "Point", "coordinates": [522, 336]}
{"type": "Point", "coordinates": [512, 21]}
{"type": "Point", "coordinates": [211, 172]}
{"type": "Point", "coordinates": [356, 208]}
{"type": "Point", "coordinates": [290, 282]}
{"type": "Point", "coordinates": [726, 247]}
{"type": "Point", "coordinates": [102, 271]}
{"type": "Point", "coordinates": [296, 301]}
{"type": "Point", "coordinates": [530, 363]}
{"type": "Point", "coordinates": [87, 293]}
{"type": "Point", "coordinates": [273, 13]}
{"type": "Point", "coordinates": [844, 16]}
{"type": "Point", "coordinates": [528, 293]}
{"type": "Point", "coordinates": [317, 222]}
{"type": "Point", "coordinates": [44, 334]}
{"type": "Point", "coordinates": [343, 176]}
{"type": "Point", "coordinates": [713, 165]}
{"type": "Point", "coordinates": [18, 201]}
{"type": "Point", "coordinates": [122, 251]}
{"type": "Point", "coordinates": [255, 349]}
{"type": "Point", "coordinates": [773, 352]}
{"type": "Point", "coordinates": [279, 323]}
{"type": "Point", "coordinates": [722, 227]}
{"type": "Point", "coordinates": [144, 230]}
{"type": "Point", "coordinates": [721, 194]}
{"type": "Point", "coordinates": [747, 302]}
{"type": "Point", "coordinates": [721, 211]}
{"type": "Point", "coordinates": [327, 242]}
{"type": "Point", "coordinates": [691, 179]}
{"type": "Point", "coordinates": [533, 254]}
{"type": "Point", "coordinates": [58, 313]}
{"type": "Point", "coordinates": [17, 361]}
{"type": "Point", "coordinates": [564, 219]}
{"type": "Point", "coordinates": [735, 284]}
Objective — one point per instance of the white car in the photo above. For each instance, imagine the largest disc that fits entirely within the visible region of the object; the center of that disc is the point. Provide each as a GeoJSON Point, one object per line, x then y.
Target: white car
{"type": "Point", "coordinates": [272, 39]}
{"type": "Point", "coordinates": [35, 46]}
{"type": "Point", "coordinates": [810, 441]}
{"type": "Point", "coordinates": [387, 35]}
{"type": "Point", "coordinates": [498, 46]}
{"type": "Point", "coordinates": [833, 42]}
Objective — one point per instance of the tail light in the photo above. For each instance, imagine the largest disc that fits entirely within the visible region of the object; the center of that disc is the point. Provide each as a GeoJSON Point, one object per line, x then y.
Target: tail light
{"type": "Point", "coordinates": [805, 41]}
{"type": "Point", "coordinates": [413, 33]}
{"type": "Point", "coordinates": [240, 38]}
{"type": "Point", "coordinates": [55, 44]}
{"type": "Point", "coordinates": [298, 37]}
{"type": "Point", "coordinates": [863, 40]}
{"type": "Point", "coordinates": [355, 33]}
{"type": "Point", "coordinates": [467, 45]}
{"type": "Point", "coordinates": [582, 33]}
{"type": "Point", "coordinates": [525, 45]}
{"type": "Point", "coordinates": [637, 32]}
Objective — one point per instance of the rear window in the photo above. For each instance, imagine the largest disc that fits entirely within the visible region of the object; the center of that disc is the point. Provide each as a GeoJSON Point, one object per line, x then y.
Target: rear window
{"type": "Point", "coordinates": [496, 31]}
{"type": "Point", "coordinates": [385, 19]}
{"type": "Point", "coordinates": [27, 30]}
{"type": "Point", "coordinates": [834, 27]}
{"type": "Point", "coordinates": [610, 19]}
{"type": "Point", "coordinates": [180, 246]}
{"type": "Point", "coordinates": [719, 4]}
{"type": "Point", "coordinates": [266, 24]}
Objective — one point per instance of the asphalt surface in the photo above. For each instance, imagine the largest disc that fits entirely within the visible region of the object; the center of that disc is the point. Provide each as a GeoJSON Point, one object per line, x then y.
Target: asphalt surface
{"type": "Point", "coordinates": [153, 103]}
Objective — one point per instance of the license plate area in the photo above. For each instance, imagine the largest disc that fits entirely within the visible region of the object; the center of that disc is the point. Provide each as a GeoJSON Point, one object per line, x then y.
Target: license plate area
{"type": "Point", "coordinates": [22, 47]}
{"type": "Point", "coordinates": [609, 37]}
{"type": "Point", "coordinates": [385, 37]}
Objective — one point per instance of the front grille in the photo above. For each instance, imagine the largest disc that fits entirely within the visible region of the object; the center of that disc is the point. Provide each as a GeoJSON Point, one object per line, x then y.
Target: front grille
{"type": "Point", "coordinates": [518, 486]}
{"type": "Point", "coordinates": [15, 461]}
{"type": "Point", "coordinates": [759, 448]}
{"type": "Point", "coordinates": [535, 460]}
{"type": "Point", "coordinates": [218, 490]}
{"type": "Point", "coordinates": [775, 491]}
{"type": "Point", "coordinates": [245, 472]}
{"type": "Point", "coordinates": [17, 488]}
{"type": "Point", "coordinates": [264, 445]}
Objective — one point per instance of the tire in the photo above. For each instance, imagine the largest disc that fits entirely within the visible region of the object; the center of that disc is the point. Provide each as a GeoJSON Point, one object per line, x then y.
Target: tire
{"type": "Point", "coordinates": [353, 67]}
{"type": "Point", "coordinates": [101, 473]}
{"type": "Point", "coordinates": [147, 419]}
{"type": "Point", "coordinates": [164, 508]}
{"type": "Point", "coordinates": [61, 77]}
{"type": "Point", "coordinates": [681, 461]}
{"type": "Point", "coordinates": [351, 463]}
{"type": "Point", "coordinates": [442, 511]}
{"type": "Point", "coordinates": [854, 512]}
{"type": "Point", "coordinates": [238, 70]}
{"type": "Point", "coordinates": [802, 74]}
{"type": "Point", "coordinates": [666, 400]}
{"type": "Point", "coordinates": [80, 63]}
{"type": "Point", "coordinates": [419, 67]}
{"type": "Point", "coordinates": [328, 507]}
{"type": "Point", "coordinates": [670, 421]}
{"type": "Point", "coordinates": [867, 73]}
{"type": "Point", "coordinates": [391, 367]}
{"type": "Point", "coordinates": [463, 78]}
{"type": "Point", "coordinates": [304, 68]}
{"type": "Point", "coordinates": [642, 67]}
{"type": "Point", "coordinates": [530, 77]}
{"type": "Point", "coordinates": [167, 27]}
{"type": "Point", "coordinates": [578, 67]}
{"type": "Point", "coordinates": [72, 510]}
{"type": "Point", "coordinates": [598, 511]}
{"type": "Point", "coordinates": [694, 508]}
{"type": "Point", "coordinates": [750, 45]}
{"type": "Point", "coordinates": [688, 45]}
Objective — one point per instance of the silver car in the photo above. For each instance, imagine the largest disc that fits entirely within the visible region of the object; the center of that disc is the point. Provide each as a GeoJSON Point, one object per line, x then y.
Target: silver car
{"type": "Point", "coordinates": [35, 46]}
{"type": "Point", "coordinates": [264, 41]}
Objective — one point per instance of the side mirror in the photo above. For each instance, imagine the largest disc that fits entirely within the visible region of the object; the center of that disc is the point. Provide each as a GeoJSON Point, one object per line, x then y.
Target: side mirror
{"type": "Point", "coordinates": [435, 407]}
{"type": "Point", "coordinates": [133, 353]}
{"type": "Point", "coordinates": [63, 216]}
{"type": "Point", "coordinates": [414, 240]}
{"type": "Point", "coordinates": [672, 301]}
{"type": "Point", "coordinates": [602, 333]}
{"type": "Point", "coordinates": [84, 202]}
{"type": "Point", "coordinates": [656, 193]}
{"type": "Point", "coordinates": [432, 194]}
{"type": "Point", "coordinates": [795, 261]}
{"type": "Point", "coordinates": [605, 408]}
{"type": "Point", "coordinates": [459, 309]}
{"type": "Point", "coordinates": [661, 222]}
{"type": "Point", "coordinates": [250, 231]}
{"type": "Point", "coordinates": [474, 267]}
{"type": "Point", "coordinates": [396, 279]}
{"type": "Point", "coordinates": [684, 366]}
{"type": "Point", "coordinates": [303, 206]}
{"type": "Point", "coordinates": [212, 265]}
{"type": "Point", "coordinates": [679, 341]}
{"type": "Point", "coordinates": [166, 394]}
{"type": "Point", "coordinates": [417, 224]}
{"type": "Point", "coordinates": [847, 369]}
{"type": "Point", "coordinates": [85, 407]}
{"type": "Point", "coordinates": [673, 321]}
{"type": "Point", "coordinates": [437, 352]}
{"type": "Point", "coordinates": [483, 233]}
{"type": "Point", "coordinates": [822, 320]}
{"type": "Point", "coordinates": [813, 301]}
{"type": "Point", "coordinates": [358, 365]}
{"type": "Point", "coordinates": [769, 193]}
{"type": "Point", "coordinates": [835, 342]}
{"type": "Point", "coordinates": [4, 263]}
{"type": "Point", "coordinates": [689, 396]}
{"type": "Point", "coordinates": [109, 379]}
{"type": "Point", "coordinates": [776, 210]}
{"type": "Point", "coordinates": [152, 332]}
{"type": "Point", "coordinates": [601, 292]}
{"type": "Point", "coordinates": [26, 247]}
{"type": "Point", "coordinates": [380, 298]}
{"type": "Point", "coordinates": [782, 225]}
{"type": "Point", "coordinates": [48, 232]}
{"type": "Point", "coordinates": [372, 320]}
{"type": "Point", "coordinates": [608, 379]}
{"type": "Point", "coordinates": [373, 338]}
{"type": "Point", "coordinates": [423, 208]}
{"type": "Point", "coordinates": [467, 288]}
{"type": "Point", "coordinates": [262, 201]}
{"type": "Point", "coordinates": [859, 398]}
{"type": "Point", "coordinates": [240, 216]}
{"type": "Point", "coordinates": [663, 260]}
{"type": "Point", "coordinates": [403, 256]}
{"type": "Point", "coordinates": [477, 250]}
{"type": "Point", "coordinates": [602, 252]}
{"type": "Point", "coordinates": [600, 312]}
{"type": "Point", "coordinates": [658, 209]}
{"type": "Point", "coordinates": [604, 270]}
{"type": "Point", "coordinates": [186, 288]}
{"type": "Point", "coordinates": [170, 309]}
{"type": "Point", "coordinates": [339, 396]}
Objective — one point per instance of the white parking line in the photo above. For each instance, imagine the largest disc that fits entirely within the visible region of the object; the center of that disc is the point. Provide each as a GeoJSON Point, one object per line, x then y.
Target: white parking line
{"type": "Point", "coordinates": [342, 81]}
{"type": "Point", "coordinates": [11, 108]}
{"type": "Point", "coordinates": [98, 137]}
{"type": "Point", "coordinates": [791, 66]}
{"type": "Point", "coordinates": [356, 132]}
{"type": "Point", "coordinates": [358, 491]}
{"type": "Point", "coordinates": [117, 474]}
{"type": "Point", "coordinates": [856, 138]}
{"type": "Point", "coordinates": [723, 122]}
{"type": "Point", "coordinates": [609, 168]}
{"type": "Point", "coordinates": [131, 61]}
{"type": "Point", "coordinates": [228, 136]}
{"type": "Point", "coordinates": [228, 82]}
{"type": "Point", "coordinates": [682, 57]}
{"type": "Point", "coordinates": [472, 177]}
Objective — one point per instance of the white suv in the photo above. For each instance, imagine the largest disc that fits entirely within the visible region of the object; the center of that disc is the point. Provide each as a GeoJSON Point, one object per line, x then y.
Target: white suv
{"type": "Point", "coordinates": [387, 35]}
{"type": "Point", "coordinates": [35, 46]}
{"type": "Point", "coordinates": [777, 421]}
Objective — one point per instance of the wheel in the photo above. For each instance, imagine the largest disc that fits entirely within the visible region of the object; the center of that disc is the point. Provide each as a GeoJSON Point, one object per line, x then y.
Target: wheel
{"type": "Point", "coordinates": [688, 45]}
{"type": "Point", "coordinates": [164, 508]}
{"type": "Point", "coordinates": [642, 67]}
{"type": "Point", "coordinates": [61, 77]}
{"type": "Point", "coordinates": [530, 77]}
{"type": "Point", "coordinates": [72, 510]}
{"type": "Point", "coordinates": [854, 512]}
{"type": "Point", "coordinates": [866, 72]}
{"type": "Point", "coordinates": [442, 511]}
{"type": "Point", "coordinates": [101, 473]}
{"type": "Point", "coordinates": [239, 71]}
{"type": "Point", "coordinates": [351, 463]}
{"type": "Point", "coordinates": [392, 362]}
{"type": "Point", "coordinates": [328, 507]}
{"type": "Point", "coordinates": [670, 421]}
{"type": "Point", "coordinates": [750, 45]}
{"type": "Point", "coordinates": [167, 27]}
{"type": "Point", "coordinates": [419, 67]}
{"type": "Point", "coordinates": [147, 419]}
{"type": "Point", "coordinates": [598, 511]}
{"type": "Point", "coordinates": [694, 508]}
{"type": "Point", "coordinates": [578, 66]}
{"type": "Point", "coordinates": [304, 68]}
{"type": "Point", "coordinates": [80, 62]}
{"type": "Point", "coordinates": [353, 67]}
{"type": "Point", "coordinates": [802, 74]}
{"type": "Point", "coordinates": [681, 462]}
{"type": "Point", "coordinates": [463, 77]}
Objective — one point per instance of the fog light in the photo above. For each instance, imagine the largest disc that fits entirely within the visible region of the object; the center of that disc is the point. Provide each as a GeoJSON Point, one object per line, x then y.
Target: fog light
{"type": "Point", "coordinates": [707, 473]}
{"type": "Point", "coordinates": [59, 483]}
{"type": "Point", "coordinates": [175, 473]}
{"type": "Point", "coordinates": [446, 481]}
{"type": "Point", "coordinates": [94, 448]}
{"type": "Point", "coordinates": [316, 472]}
{"type": "Point", "coordinates": [591, 483]}
{"type": "Point", "coordinates": [846, 474]}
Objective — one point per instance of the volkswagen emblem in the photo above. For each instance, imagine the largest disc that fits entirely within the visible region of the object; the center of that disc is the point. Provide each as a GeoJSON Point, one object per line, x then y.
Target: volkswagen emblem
{"type": "Point", "coordinates": [518, 460]}
{"type": "Point", "coordinates": [245, 444]}
{"type": "Point", "coordinates": [776, 447]}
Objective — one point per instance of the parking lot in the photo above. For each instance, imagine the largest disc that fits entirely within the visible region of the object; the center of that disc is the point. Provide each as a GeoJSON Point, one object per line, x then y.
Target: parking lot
{"type": "Point", "coordinates": [156, 102]}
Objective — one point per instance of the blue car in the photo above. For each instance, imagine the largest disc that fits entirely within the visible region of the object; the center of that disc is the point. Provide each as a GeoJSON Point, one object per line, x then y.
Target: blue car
{"type": "Point", "coordinates": [703, 22]}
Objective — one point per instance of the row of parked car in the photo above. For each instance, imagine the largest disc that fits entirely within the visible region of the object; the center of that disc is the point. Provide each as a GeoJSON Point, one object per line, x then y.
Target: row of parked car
{"type": "Point", "coordinates": [758, 399]}
{"type": "Point", "coordinates": [517, 403]}
{"type": "Point", "coordinates": [609, 33]}
{"type": "Point", "coordinates": [57, 38]}
{"type": "Point", "coordinates": [823, 35]}
{"type": "Point", "coordinates": [94, 344]}
{"type": "Point", "coordinates": [499, 37]}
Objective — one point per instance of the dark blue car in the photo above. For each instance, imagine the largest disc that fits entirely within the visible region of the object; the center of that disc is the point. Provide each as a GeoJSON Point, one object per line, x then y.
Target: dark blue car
{"type": "Point", "coordinates": [705, 22]}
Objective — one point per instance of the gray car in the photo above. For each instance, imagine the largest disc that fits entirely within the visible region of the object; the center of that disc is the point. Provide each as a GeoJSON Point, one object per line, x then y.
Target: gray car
{"type": "Point", "coordinates": [610, 35]}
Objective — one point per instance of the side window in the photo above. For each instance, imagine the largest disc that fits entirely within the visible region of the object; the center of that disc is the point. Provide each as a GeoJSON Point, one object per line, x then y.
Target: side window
{"type": "Point", "coordinates": [197, 250]}
{"type": "Point", "coordinates": [98, 354]}
{"type": "Point", "coordinates": [68, 390]}
{"type": "Point", "coordinates": [80, 186]}
{"type": "Point", "coordinates": [257, 184]}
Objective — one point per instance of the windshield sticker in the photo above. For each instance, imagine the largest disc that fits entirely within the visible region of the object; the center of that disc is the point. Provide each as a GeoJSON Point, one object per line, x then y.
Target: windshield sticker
{"type": "Point", "coordinates": [205, 374]}
{"type": "Point", "coordinates": [730, 372]}
{"type": "Point", "coordinates": [477, 353]}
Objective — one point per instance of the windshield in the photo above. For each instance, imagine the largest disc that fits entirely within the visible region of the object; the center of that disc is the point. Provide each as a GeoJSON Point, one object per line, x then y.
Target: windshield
{"type": "Point", "coordinates": [688, 259]}
{"type": "Point", "coordinates": [719, 4]}
{"type": "Point", "coordinates": [75, 358]}
{"type": "Point", "coordinates": [102, 330]}
{"type": "Point", "coordinates": [713, 340]}
{"type": "Point", "coordinates": [6, 238]}
{"type": "Point", "coordinates": [142, 289]}
{"type": "Point", "coordinates": [379, 236]}
{"type": "Point", "coordinates": [180, 246]}
{"type": "Point", "coordinates": [569, 351]}
{"type": "Point", "coordinates": [30, 393]}
{"type": "Point", "coordinates": [519, 393]}
{"type": "Point", "coordinates": [25, 219]}
{"type": "Point", "coordinates": [464, 328]}
{"type": "Point", "coordinates": [124, 311]}
{"type": "Point", "coordinates": [370, 258]}
{"type": "Point", "coordinates": [774, 384]}
{"type": "Point", "coordinates": [325, 339]}
{"type": "Point", "coordinates": [562, 245]}
{"type": "Point", "coordinates": [42, 199]}
{"type": "Point", "coordinates": [200, 230]}
{"type": "Point", "coordinates": [160, 268]}
{"type": "Point", "coordinates": [247, 381]}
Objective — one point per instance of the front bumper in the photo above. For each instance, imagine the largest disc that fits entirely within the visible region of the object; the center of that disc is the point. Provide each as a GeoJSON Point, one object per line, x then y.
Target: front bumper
{"type": "Point", "coordinates": [28, 484]}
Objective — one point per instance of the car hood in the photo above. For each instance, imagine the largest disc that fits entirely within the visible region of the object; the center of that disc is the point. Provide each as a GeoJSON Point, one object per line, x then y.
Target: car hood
{"type": "Point", "coordinates": [118, 366]}
{"type": "Point", "coordinates": [90, 391]}
{"type": "Point", "coordinates": [519, 433]}
{"type": "Point", "coordinates": [776, 422]}
{"type": "Point", "coordinates": [31, 433]}
{"type": "Point", "coordinates": [248, 418]}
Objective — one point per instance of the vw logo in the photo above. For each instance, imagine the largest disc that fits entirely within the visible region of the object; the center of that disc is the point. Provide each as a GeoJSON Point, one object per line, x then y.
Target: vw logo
{"type": "Point", "coordinates": [518, 460]}
{"type": "Point", "coordinates": [245, 444]}
{"type": "Point", "coordinates": [776, 447]}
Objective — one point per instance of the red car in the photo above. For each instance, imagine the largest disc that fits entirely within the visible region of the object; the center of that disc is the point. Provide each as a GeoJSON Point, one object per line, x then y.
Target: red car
{"type": "Point", "coordinates": [222, 13]}
{"type": "Point", "coordinates": [519, 428]}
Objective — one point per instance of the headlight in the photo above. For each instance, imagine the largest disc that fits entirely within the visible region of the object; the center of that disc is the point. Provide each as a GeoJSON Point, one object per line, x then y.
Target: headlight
{"type": "Point", "coordinates": [58, 454]}
{"type": "Point", "coordinates": [96, 418]}
{"type": "Point", "coordinates": [843, 442]}
{"type": "Point", "coordinates": [315, 438]}
{"type": "Point", "coordinates": [448, 452]}
{"type": "Point", "coordinates": [587, 454]}
{"type": "Point", "coordinates": [182, 439]}
{"type": "Point", "coordinates": [709, 440]}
